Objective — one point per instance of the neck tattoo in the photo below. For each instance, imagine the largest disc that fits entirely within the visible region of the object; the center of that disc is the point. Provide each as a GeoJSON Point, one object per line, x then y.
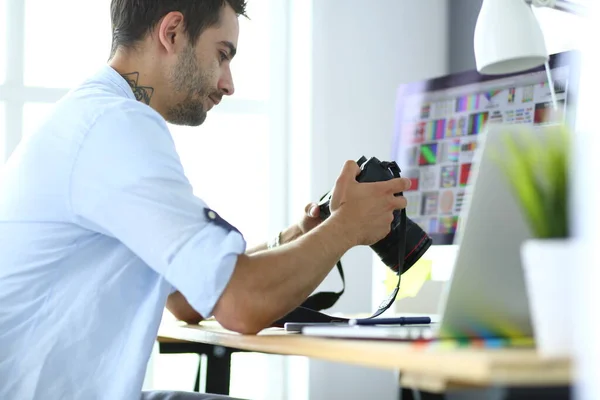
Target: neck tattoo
{"type": "Point", "coordinates": [142, 93]}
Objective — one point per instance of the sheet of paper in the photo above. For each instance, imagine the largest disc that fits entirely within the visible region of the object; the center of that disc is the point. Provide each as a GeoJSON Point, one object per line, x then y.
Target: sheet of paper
{"type": "Point", "coordinates": [412, 280]}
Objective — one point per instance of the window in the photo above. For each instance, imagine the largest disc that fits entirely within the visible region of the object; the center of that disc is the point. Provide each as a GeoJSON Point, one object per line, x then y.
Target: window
{"type": "Point", "coordinates": [33, 115]}
{"type": "Point", "coordinates": [227, 162]}
{"type": "Point", "coordinates": [251, 66]}
{"type": "Point", "coordinates": [3, 27]}
{"type": "Point", "coordinates": [64, 41]}
{"type": "Point", "coordinates": [2, 130]}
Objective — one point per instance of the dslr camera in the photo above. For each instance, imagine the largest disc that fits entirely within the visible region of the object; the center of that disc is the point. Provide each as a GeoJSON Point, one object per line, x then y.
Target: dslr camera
{"type": "Point", "coordinates": [406, 242]}
{"type": "Point", "coordinates": [399, 250]}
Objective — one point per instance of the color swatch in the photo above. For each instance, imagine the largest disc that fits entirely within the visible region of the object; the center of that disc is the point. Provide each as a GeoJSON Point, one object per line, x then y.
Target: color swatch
{"type": "Point", "coordinates": [467, 103]}
{"type": "Point", "coordinates": [477, 123]}
{"type": "Point", "coordinates": [428, 154]}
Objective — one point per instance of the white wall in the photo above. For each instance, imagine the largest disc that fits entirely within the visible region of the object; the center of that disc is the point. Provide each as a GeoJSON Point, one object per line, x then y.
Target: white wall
{"type": "Point", "coordinates": [348, 57]}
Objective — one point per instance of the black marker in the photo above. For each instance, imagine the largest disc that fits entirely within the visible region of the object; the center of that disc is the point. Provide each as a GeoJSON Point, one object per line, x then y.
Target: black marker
{"type": "Point", "coordinates": [391, 321]}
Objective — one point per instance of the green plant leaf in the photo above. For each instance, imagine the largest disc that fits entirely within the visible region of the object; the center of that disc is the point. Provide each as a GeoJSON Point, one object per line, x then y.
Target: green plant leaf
{"type": "Point", "coordinates": [536, 169]}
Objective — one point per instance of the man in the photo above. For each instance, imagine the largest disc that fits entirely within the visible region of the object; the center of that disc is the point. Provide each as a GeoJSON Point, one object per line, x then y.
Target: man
{"type": "Point", "coordinates": [100, 229]}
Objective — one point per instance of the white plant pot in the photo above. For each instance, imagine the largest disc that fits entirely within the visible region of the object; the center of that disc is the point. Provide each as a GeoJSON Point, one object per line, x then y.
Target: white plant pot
{"type": "Point", "coordinates": [547, 265]}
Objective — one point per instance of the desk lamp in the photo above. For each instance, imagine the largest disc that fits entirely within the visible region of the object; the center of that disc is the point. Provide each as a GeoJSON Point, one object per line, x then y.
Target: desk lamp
{"type": "Point", "coordinates": [508, 37]}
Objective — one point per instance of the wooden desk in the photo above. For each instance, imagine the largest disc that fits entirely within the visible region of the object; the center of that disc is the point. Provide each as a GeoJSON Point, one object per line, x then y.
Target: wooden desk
{"type": "Point", "coordinates": [432, 368]}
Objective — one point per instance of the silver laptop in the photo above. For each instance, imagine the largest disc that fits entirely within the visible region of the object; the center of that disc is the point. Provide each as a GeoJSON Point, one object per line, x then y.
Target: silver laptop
{"type": "Point", "coordinates": [486, 295]}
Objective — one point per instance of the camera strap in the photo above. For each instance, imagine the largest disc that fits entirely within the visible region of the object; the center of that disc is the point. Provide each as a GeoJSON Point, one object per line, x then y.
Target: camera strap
{"type": "Point", "coordinates": [384, 305]}
{"type": "Point", "coordinates": [398, 268]}
{"type": "Point", "coordinates": [309, 310]}
{"type": "Point", "coordinates": [323, 300]}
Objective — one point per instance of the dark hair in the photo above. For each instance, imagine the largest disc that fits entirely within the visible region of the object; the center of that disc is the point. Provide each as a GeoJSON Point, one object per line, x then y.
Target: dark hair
{"type": "Point", "coordinates": [133, 19]}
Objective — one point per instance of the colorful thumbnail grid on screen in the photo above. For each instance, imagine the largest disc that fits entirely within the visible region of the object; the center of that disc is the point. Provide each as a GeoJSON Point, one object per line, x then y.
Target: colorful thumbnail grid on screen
{"type": "Point", "coordinates": [477, 122]}
{"type": "Point", "coordinates": [428, 154]}
{"type": "Point", "coordinates": [468, 102]}
{"type": "Point", "coordinates": [435, 129]}
{"type": "Point", "coordinates": [440, 137]}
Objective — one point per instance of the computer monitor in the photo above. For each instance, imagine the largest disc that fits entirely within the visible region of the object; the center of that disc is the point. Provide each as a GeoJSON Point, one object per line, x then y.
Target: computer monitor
{"type": "Point", "coordinates": [437, 122]}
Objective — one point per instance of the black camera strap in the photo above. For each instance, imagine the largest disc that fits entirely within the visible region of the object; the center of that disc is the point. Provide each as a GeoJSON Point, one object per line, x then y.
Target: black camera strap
{"type": "Point", "coordinates": [387, 303]}
{"type": "Point", "coordinates": [309, 311]}
{"type": "Point", "coordinates": [325, 300]}
{"type": "Point", "coordinates": [401, 254]}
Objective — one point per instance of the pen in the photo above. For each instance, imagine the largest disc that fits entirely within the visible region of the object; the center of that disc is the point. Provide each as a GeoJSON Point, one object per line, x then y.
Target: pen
{"type": "Point", "coordinates": [391, 321]}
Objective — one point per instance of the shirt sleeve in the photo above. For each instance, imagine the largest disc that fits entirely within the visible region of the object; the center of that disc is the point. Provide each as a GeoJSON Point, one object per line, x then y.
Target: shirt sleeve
{"type": "Point", "coordinates": [128, 183]}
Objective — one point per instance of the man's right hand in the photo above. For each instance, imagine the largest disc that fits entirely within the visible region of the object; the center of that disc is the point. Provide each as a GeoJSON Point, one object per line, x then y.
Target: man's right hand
{"type": "Point", "coordinates": [366, 208]}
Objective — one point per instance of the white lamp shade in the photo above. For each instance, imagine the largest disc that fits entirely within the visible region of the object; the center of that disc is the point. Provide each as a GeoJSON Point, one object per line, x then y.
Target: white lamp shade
{"type": "Point", "coordinates": [508, 38]}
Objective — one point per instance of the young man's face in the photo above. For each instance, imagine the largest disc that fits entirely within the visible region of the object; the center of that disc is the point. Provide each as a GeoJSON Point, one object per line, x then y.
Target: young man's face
{"type": "Point", "coordinates": [202, 75]}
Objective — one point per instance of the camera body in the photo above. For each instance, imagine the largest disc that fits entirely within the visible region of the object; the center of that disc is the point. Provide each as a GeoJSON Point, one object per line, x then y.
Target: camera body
{"type": "Point", "coordinates": [407, 234]}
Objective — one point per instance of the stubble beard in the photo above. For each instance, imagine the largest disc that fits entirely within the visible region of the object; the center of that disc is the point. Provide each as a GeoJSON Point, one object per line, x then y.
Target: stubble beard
{"type": "Point", "coordinates": [188, 78]}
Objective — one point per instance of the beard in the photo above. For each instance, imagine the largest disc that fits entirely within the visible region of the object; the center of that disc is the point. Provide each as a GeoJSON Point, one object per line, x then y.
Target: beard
{"type": "Point", "coordinates": [188, 78]}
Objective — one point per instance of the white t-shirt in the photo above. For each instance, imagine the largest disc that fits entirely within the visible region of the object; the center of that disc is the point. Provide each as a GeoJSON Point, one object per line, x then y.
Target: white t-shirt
{"type": "Point", "coordinates": [98, 225]}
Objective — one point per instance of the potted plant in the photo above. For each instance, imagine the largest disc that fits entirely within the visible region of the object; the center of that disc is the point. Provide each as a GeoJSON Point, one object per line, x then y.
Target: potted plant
{"type": "Point", "coordinates": [536, 165]}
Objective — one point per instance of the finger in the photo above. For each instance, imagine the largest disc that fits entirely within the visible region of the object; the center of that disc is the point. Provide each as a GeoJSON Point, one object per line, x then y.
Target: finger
{"type": "Point", "coordinates": [348, 175]}
{"type": "Point", "coordinates": [399, 202]}
{"type": "Point", "coordinates": [350, 170]}
{"type": "Point", "coordinates": [312, 210]}
{"type": "Point", "coordinates": [308, 207]}
{"type": "Point", "coordinates": [315, 212]}
{"type": "Point", "coordinates": [398, 185]}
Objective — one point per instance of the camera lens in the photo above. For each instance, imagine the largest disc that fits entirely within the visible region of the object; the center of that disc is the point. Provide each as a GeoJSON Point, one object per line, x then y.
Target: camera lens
{"type": "Point", "coordinates": [388, 249]}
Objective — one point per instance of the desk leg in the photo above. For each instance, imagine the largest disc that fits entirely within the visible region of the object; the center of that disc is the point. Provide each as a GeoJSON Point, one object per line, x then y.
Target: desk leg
{"type": "Point", "coordinates": [411, 394]}
{"type": "Point", "coordinates": [558, 393]}
{"type": "Point", "coordinates": [218, 370]}
{"type": "Point", "coordinates": [533, 393]}
{"type": "Point", "coordinates": [551, 393]}
{"type": "Point", "coordinates": [218, 365]}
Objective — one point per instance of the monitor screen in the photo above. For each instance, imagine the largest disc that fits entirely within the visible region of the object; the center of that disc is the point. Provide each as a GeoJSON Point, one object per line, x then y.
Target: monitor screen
{"type": "Point", "coordinates": [437, 122]}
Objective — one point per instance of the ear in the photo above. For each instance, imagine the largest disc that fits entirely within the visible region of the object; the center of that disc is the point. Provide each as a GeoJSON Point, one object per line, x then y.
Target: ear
{"type": "Point", "coordinates": [171, 31]}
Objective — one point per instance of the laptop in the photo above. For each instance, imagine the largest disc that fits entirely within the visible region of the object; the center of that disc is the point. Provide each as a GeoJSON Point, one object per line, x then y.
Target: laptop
{"type": "Point", "coordinates": [486, 295]}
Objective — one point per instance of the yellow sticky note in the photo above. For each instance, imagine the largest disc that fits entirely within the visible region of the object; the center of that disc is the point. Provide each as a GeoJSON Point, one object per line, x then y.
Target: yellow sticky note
{"type": "Point", "coordinates": [412, 280]}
